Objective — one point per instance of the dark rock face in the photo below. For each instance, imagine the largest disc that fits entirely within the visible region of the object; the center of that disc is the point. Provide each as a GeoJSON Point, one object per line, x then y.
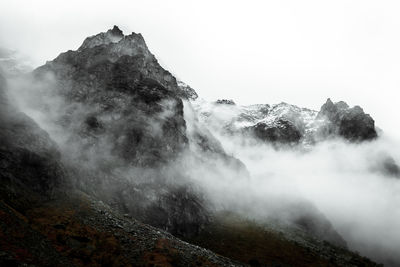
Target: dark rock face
{"type": "Point", "coordinates": [30, 166]}
{"type": "Point", "coordinates": [350, 123]}
{"type": "Point", "coordinates": [281, 131]}
{"type": "Point", "coordinates": [115, 76]}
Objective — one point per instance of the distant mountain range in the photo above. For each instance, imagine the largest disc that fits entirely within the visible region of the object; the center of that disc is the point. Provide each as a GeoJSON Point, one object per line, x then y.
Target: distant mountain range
{"type": "Point", "coordinates": [288, 124]}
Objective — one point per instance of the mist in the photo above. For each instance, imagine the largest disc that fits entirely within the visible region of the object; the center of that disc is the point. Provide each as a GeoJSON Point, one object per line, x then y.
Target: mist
{"type": "Point", "coordinates": [346, 182]}
{"type": "Point", "coordinates": [351, 58]}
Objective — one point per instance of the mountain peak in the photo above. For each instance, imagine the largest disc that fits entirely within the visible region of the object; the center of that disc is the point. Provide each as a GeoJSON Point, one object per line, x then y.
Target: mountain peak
{"type": "Point", "coordinates": [117, 44]}
{"type": "Point", "coordinates": [125, 60]}
{"type": "Point", "coordinates": [113, 35]}
{"type": "Point", "coordinates": [116, 31]}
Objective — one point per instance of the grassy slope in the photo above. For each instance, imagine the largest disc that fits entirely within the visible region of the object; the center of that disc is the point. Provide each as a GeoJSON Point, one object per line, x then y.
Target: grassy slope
{"type": "Point", "coordinates": [79, 231]}
{"type": "Point", "coordinates": [248, 242]}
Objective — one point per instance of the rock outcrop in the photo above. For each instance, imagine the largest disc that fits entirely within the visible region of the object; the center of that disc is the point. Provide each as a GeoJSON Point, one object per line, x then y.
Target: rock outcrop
{"type": "Point", "coordinates": [350, 123]}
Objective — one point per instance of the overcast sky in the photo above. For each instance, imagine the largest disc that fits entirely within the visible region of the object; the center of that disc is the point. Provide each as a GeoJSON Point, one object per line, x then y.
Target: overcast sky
{"type": "Point", "coordinates": [300, 52]}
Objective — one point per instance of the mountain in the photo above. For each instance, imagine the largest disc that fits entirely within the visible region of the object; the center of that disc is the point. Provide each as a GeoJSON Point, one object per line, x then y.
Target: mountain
{"type": "Point", "coordinates": [288, 124]}
{"type": "Point", "coordinates": [120, 110]}
{"type": "Point", "coordinates": [114, 169]}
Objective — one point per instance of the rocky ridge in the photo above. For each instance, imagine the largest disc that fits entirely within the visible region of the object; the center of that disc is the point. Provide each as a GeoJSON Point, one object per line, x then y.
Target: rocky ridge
{"type": "Point", "coordinates": [288, 124]}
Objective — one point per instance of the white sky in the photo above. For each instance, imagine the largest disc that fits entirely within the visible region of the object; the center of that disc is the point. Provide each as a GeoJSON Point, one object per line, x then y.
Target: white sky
{"type": "Point", "coordinates": [300, 52]}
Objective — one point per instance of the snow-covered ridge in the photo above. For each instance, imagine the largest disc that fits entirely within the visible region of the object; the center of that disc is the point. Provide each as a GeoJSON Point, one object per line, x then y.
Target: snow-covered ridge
{"type": "Point", "coordinates": [286, 123]}
{"type": "Point", "coordinates": [239, 116]}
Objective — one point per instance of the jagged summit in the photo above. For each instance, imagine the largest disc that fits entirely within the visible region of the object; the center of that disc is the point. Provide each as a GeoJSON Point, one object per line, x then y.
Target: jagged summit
{"type": "Point", "coordinates": [113, 35]}
{"type": "Point", "coordinates": [330, 109]}
{"type": "Point", "coordinates": [116, 31]}
{"type": "Point", "coordinates": [112, 60]}
{"type": "Point", "coordinates": [350, 123]}
{"type": "Point", "coordinates": [119, 43]}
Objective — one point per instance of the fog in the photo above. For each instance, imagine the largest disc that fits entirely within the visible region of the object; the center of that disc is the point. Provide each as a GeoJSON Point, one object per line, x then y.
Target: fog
{"type": "Point", "coordinates": [342, 180]}
{"type": "Point", "coordinates": [346, 182]}
{"type": "Point", "coordinates": [299, 53]}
